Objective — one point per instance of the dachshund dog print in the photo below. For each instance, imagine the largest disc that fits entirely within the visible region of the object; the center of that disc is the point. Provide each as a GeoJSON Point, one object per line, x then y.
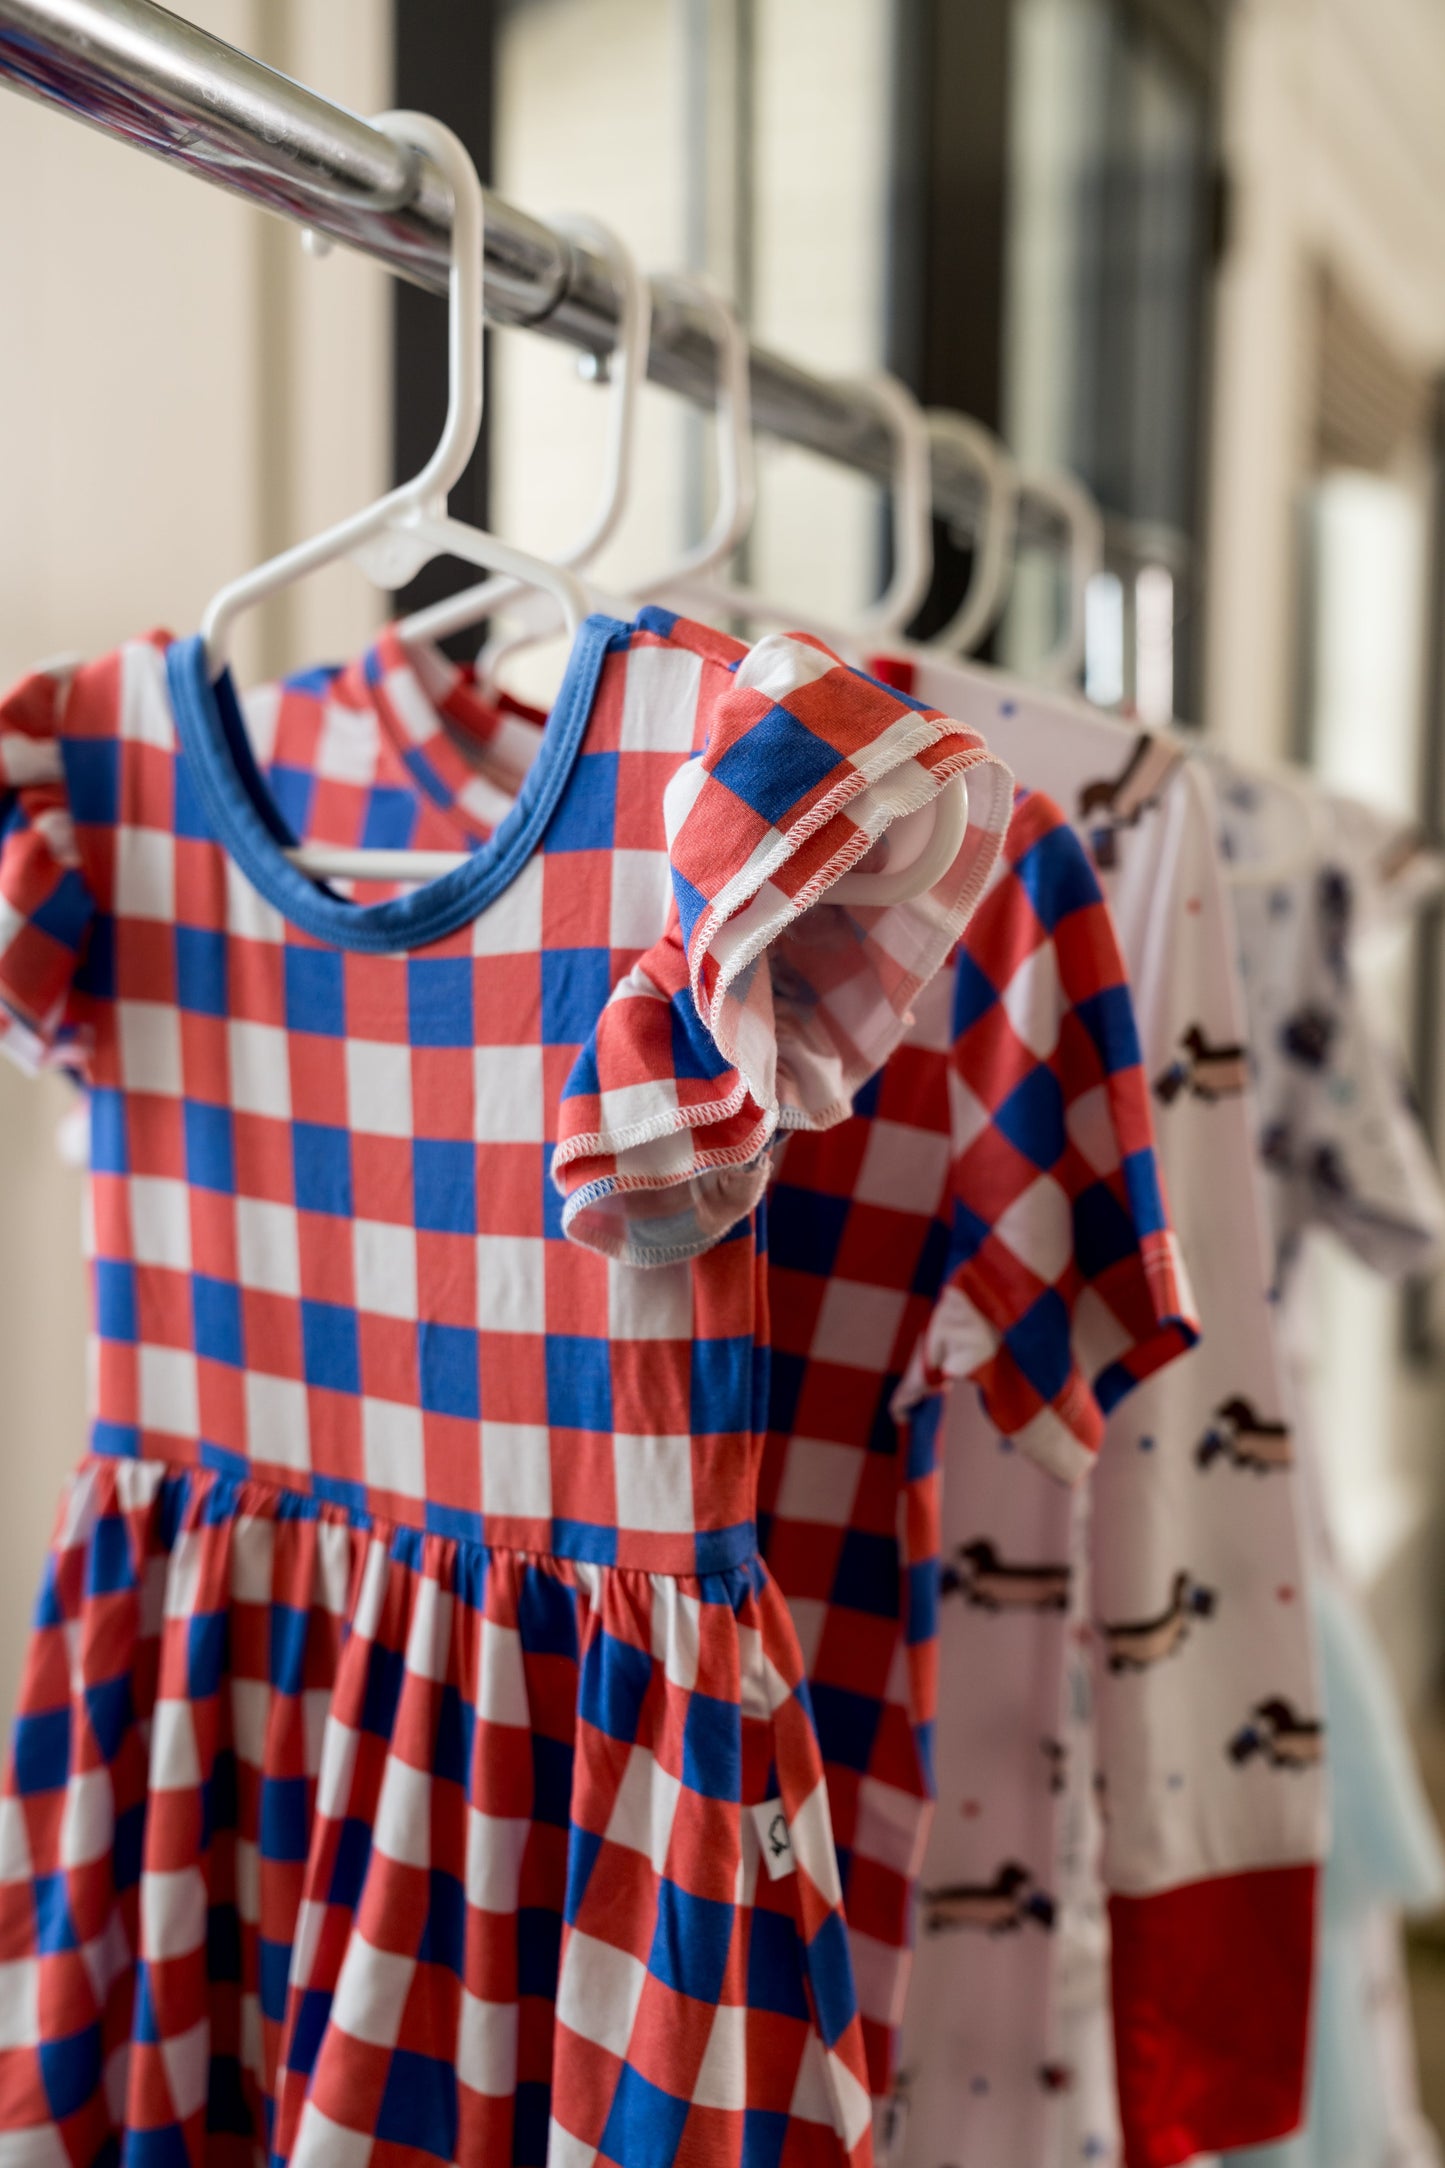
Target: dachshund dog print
{"type": "Point", "coordinates": [1137, 1644]}
{"type": "Point", "coordinates": [1202, 1070]}
{"type": "Point", "coordinates": [1243, 1439]}
{"type": "Point", "coordinates": [1010, 1901]}
{"type": "Point", "coordinates": [978, 1574]}
{"type": "Point", "coordinates": [1278, 1736]}
{"type": "Point", "coordinates": [1114, 803]}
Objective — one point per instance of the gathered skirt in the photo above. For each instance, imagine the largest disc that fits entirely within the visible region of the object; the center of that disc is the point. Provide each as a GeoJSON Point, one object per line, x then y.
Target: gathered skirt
{"type": "Point", "coordinates": [326, 1841]}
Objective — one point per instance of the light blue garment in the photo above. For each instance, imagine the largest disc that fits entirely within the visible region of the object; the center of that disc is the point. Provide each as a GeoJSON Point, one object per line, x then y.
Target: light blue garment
{"type": "Point", "coordinates": [1384, 1851]}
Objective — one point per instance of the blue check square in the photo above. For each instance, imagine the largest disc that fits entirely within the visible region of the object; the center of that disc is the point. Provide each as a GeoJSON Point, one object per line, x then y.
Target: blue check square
{"type": "Point", "coordinates": [777, 763]}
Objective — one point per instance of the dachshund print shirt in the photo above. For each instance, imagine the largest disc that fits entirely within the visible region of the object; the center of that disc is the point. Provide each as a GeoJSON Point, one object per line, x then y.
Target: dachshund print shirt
{"type": "Point", "coordinates": [1320, 889]}
{"type": "Point", "coordinates": [1120, 1673]}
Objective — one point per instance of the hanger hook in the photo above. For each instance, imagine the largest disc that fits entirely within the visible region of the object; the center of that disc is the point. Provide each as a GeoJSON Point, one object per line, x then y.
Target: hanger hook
{"type": "Point", "coordinates": [465, 288]}
{"type": "Point", "coordinates": [912, 484]}
{"type": "Point", "coordinates": [1084, 526]}
{"type": "Point", "coordinates": [454, 613]}
{"type": "Point", "coordinates": [628, 369]}
{"type": "Point", "coordinates": [737, 461]}
{"type": "Point", "coordinates": [993, 538]}
{"type": "Point", "coordinates": [391, 538]}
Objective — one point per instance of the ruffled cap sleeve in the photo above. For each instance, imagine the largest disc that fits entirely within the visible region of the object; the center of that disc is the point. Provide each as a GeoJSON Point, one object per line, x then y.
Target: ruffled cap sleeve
{"type": "Point", "coordinates": [765, 1006]}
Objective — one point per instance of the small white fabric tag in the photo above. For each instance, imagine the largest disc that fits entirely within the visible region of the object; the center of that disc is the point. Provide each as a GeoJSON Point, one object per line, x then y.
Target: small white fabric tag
{"type": "Point", "coordinates": [771, 1825]}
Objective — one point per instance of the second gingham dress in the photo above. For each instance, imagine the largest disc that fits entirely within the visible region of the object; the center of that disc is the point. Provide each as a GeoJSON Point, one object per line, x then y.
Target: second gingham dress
{"type": "Point", "coordinates": [412, 1758]}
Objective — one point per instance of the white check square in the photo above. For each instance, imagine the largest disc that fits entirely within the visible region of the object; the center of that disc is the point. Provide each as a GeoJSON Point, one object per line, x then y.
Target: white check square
{"type": "Point", "coordinates": [599, 1991]}
{"type": "Point", "coordinates": [392, 1447]}
{"type": "Point", "coordinates": [512, 926]}
{"type": "Point", "coordinates": [160, 1222]}
{"type": "Point", "coordinates": [659, 700]}
{"type": "Point", "coordinates": [654, 1482]}
{"type": "Point", "coordinates": [169, 1395]}
{"type": "Point", "coordinates": [641, 892]}
{"type": "Point", "coordinates": [858, 1325]}
{"type": "Point", "coordinates": [510, 1106]}
{"type": "Point", "coordinates": [402, 1827]}
{"type": "Point", "coordinates": [511, 1283]}
{"type": "Point", "coordinates": [371, 1994]}
{"type": "Point", "coordinates": [384, 1257]}
{"type": "Point", "coordinates": [260, 1070]}
{"type": "Point", "coordinates": [651, 1305]}
{"type": "Point", "coordinates": [268, 1252]}
{"type": "Point", "coordinates": [516, 1473]}
{"type": "Point", "coordinates": [487, 2046]}
{"type": "Point", "coordinates": [173, 1911]}
{"type": "Point", "coordinates": [277, 1425]}
{"type": "Point", "coordinates": [378, 1088]}
{"type": "Point", "coordinates": [150, 1047]}
{"type": "Point", "coordinates": [145, 873]}
{"type": "Point", "coordinates": [495, 1844]}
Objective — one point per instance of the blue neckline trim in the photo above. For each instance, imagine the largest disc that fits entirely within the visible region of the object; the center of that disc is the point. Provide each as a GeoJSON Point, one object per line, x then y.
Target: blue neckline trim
{"type": "Point", "coordinates": [244, 817]}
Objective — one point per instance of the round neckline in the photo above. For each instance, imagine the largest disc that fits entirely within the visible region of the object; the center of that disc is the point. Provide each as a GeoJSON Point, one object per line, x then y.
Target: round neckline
{"type": "Point", "coordinates": [244, 817]}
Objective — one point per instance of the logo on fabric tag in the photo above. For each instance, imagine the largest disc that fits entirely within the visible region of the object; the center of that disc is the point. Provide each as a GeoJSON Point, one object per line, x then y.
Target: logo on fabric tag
{"type": "Point", "coordinates": [771, 1825]}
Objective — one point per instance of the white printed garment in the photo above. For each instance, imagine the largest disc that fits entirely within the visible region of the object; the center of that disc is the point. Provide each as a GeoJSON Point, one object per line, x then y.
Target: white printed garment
{"type": "Point", "coordinates": [1344, 1153]}
{"type": "Point", "coordinates": [1152, 1647]}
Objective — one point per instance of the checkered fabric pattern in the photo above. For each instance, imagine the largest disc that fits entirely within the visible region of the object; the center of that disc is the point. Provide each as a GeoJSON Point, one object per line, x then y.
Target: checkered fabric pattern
{"type": "Point", "coordinates": [1034, 1021]}
{"type": "Point", "coordinates": [330, 1279]}
{"type": "Point", "coordinates": [992, 1211]}
{"type": "Point", "coordinates": [363, 1845]}
{"type": "Point", "coordinates": [413, 788]}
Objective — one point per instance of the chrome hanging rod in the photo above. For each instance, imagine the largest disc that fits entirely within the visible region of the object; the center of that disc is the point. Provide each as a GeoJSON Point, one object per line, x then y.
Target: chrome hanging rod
{"type": "Point", "coordinates": [148, 77]}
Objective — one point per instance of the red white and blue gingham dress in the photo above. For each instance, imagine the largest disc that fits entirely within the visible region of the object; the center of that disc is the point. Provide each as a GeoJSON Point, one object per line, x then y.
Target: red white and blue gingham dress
{"type": "Point", "coordinates": [413, 1758]}
{"type": "Point", "coordinates": [904, 1246]}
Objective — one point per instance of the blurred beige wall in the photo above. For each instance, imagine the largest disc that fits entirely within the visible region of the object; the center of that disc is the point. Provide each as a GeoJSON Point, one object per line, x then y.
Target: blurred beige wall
{"type": "Point", "coordinates": [1335, 151]}
{"type": "Point", "coordinates": [185, 390]}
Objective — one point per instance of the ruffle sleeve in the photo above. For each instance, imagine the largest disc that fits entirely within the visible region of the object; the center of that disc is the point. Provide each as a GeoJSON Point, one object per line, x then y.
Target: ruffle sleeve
{"type": "Point", "coordinates": [46, 909]}
{"type": "Point", "coordinates": [765, 1006]}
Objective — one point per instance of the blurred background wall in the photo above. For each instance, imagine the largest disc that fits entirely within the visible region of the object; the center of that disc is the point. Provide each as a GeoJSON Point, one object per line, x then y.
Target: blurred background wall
{"type": "Point", "coordinates": [185, 391]}
{"type": "Point", "coordinates": [1320, 623]}
{"type": "Point", "coordinates": [1194, 251]}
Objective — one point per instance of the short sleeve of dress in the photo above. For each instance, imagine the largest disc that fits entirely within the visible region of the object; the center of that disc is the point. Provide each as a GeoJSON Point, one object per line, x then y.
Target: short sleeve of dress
{"type": "Point", "coordinates": [1064, 1285]}
{"type": "Point", "coordinates": [45, 907]}
{"type": "Point", "coordinates": [764, 1007]}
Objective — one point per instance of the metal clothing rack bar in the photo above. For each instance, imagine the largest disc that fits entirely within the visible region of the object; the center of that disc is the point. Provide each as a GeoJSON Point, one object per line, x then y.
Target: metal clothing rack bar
{"type": "Point", "coordinates": [148, 77]}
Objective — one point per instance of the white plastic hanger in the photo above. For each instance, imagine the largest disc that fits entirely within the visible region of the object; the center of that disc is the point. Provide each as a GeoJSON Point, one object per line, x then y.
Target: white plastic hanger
{"type": "Point", "coordinates": [1084, 526]}
{"type": "Point", "coordinates": [737, 484]}
{"type": "Point", "coordinates": [993, 541]}
{"type": "Point", "coordinates": [737, 473]}
{"type": "Point", "coordinates": [393, 538]}
{"type": "Point", "coordinates": [627, 371]}
{"type": "Point", "coordinates": [912, 543]}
